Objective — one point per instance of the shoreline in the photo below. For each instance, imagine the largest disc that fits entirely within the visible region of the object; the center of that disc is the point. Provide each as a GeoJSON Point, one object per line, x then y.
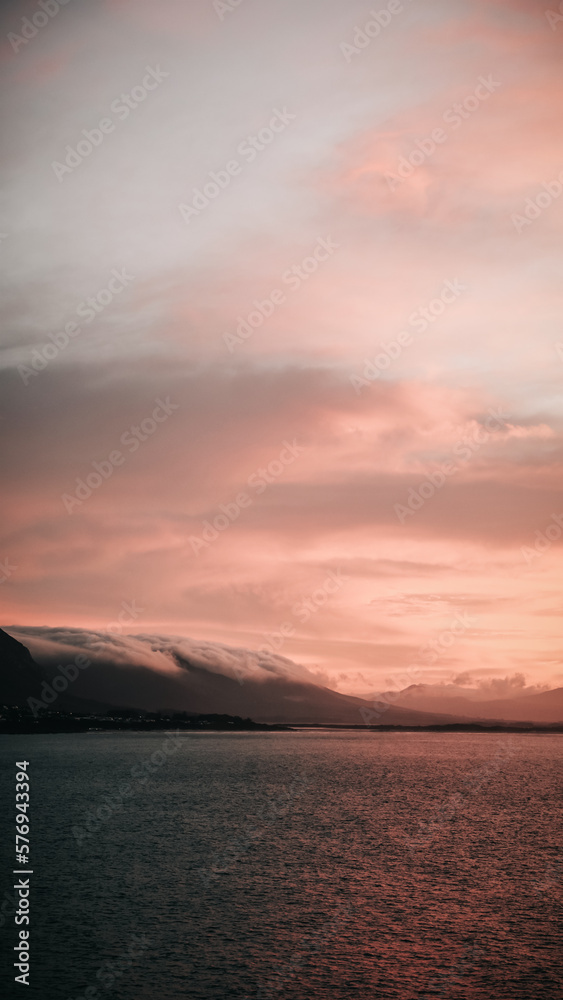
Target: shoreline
{"type": "Point", "coordinates": [44, 727]}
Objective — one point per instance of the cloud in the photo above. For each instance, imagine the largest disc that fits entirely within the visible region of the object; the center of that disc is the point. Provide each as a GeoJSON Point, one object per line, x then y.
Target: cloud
{"type": "Point", "coordinates": [170, 655]}
{"type": "Point", "coordinates": [497, 687]}
{"type": "Point", "coordinates": [333, 508]}
{"type": "Point", "coordinates": [467, 685]}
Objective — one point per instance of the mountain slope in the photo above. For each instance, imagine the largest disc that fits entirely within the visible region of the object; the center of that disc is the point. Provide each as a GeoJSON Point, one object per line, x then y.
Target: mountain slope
{"type": "Point", "coordinates": [20, 675]}
{"type": "Point", "coordinates": [193, 688]}
{"type": "Point", "coordinates": [200, 688]}
{"type": "Point", "coordinates": [543, 707]}
{"type": "Point", "coordinates": [289, 700]}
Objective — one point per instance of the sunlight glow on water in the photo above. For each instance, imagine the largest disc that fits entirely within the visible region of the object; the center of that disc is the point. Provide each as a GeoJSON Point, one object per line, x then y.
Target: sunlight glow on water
{"type": "Point", "coordinates": [294, 865]}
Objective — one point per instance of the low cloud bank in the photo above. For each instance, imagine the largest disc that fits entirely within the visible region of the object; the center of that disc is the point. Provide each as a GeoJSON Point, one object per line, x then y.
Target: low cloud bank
{"type": "Point", "coordinates": [163, 654]}
{"type": "Point", "coordinates": [511, 686]}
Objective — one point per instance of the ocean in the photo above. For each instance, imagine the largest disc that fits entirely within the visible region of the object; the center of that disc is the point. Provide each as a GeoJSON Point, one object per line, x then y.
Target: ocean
{"type": "Point", "coordinates": [288, 865]}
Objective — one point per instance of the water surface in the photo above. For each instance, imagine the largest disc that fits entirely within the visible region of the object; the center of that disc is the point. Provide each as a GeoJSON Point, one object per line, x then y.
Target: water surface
{"type": "Point", "coordinates": [295, 865]}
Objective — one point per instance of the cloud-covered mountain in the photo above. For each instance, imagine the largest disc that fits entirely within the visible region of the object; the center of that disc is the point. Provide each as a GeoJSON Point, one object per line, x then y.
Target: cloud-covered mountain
{"type": "Point", "coordinates": [165, 672]}
{"type": "Point", "coordinates": [21, 677]}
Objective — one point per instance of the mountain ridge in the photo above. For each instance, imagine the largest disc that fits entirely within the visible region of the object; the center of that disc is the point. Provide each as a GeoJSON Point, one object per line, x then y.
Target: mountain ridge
{"type": "Point", "coordinates": [197, 688]}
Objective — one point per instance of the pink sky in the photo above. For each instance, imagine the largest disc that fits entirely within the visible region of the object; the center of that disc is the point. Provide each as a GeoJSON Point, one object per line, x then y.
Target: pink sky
{"type": "Point", "coordinates": [343, 449]}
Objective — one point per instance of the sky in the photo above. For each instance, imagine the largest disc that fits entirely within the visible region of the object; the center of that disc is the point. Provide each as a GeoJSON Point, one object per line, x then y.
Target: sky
{"type": "Point", "coordinates": [281, 353]}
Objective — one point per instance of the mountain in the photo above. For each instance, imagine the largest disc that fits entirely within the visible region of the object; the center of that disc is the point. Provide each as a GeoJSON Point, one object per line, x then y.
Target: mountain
{"type": "Point", "coordinates": [188, 684]}
{"type": "Point", "coordinates": [19, 673]}
{"type": "Point", "coordinates": [289, 700]}
{"type": "Point", "coordinates": [192, 688]}
{"type": "Point", "coordinates": [21, 678]}
{"type": "Point", "coordinates": [542, 707]}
